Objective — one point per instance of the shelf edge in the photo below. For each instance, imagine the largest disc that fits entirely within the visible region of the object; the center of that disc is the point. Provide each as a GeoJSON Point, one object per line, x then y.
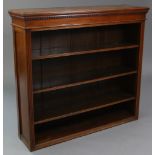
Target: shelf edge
{"type": "Point", "coordinates": [84, 111]}
{"type": "Point", "coordinates": [66, 54]}
{"type": "Point", "coordinates": [84, 82]}
{"type": "Point", "coordinates": [85, 132]}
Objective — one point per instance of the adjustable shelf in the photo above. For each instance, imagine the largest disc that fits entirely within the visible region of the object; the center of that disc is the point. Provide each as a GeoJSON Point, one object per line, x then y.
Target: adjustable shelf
{"type": "Point", "coordinates": [85, 82]}
{"type": "Point", "coordinates": [68, 72]}
{"type": "Point", "coordinates": [86, 123]}
{"type": "Point", "coordinates": [78, 70]}
{"type": "Point", "coordinates": [84, 103]}
{"type": "Point", "coordinates": [66, 54]}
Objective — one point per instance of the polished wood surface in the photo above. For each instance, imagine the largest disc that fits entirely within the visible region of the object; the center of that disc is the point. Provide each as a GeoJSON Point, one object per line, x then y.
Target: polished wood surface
{"type": "Point", "coordinates": [78, 70]}
{"type": "Point", "coordinates": [58, 18]}
{"type": "Point", "coordinates": [24, 87]}
{"type": "Point", "coordinates": [76, 10]}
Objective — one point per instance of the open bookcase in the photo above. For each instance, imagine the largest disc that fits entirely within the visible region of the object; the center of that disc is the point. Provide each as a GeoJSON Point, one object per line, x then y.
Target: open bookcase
{"type": "Point", "coordinates": [75, 78]}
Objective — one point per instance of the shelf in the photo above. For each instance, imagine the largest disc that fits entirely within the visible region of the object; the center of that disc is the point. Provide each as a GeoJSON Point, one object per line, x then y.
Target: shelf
{"type": "Point", "coordinates": [116, 74]}
{"type": "Point", "coordinates": [81, 105]}
{"type": "Point", "coordinates": [85, 123]}
{"type": "Point", "coordinates": [64, 103]}
{"type": "Point", "coordinates": [53, 73]}
{"type": "Point", "coordinates": [67, 42]}
{"type": "Point", "coordinates": [66, 54]}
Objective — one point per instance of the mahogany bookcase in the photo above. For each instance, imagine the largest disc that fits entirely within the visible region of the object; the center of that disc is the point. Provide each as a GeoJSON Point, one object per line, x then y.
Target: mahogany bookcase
{"type": "Point", "coordinates": [78, 70]}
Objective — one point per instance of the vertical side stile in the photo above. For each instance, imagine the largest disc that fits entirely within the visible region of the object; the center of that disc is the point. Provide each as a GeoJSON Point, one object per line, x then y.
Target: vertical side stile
{"type": "Point", "coordinates": [28, 48]}
{"type": "Point", "coordinates": [140, 56]}
{"type": "Point", "coordinates": [17, 83]}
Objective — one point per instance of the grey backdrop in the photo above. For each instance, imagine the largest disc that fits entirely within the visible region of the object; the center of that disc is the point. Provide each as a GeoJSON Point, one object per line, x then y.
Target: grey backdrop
{"type": "Point", "coordinates": [132, 138]}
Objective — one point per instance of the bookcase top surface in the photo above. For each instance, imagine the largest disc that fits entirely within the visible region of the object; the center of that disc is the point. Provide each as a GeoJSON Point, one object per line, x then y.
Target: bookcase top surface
{"type": "Point", "coordinates": [76, 10]}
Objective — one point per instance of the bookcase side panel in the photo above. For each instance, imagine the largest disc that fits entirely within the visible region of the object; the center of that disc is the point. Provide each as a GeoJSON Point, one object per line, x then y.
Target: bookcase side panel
{"type": "Point", "coordinates": [23, 89]}
{"type": "Point", "coordinates": [139, 67]}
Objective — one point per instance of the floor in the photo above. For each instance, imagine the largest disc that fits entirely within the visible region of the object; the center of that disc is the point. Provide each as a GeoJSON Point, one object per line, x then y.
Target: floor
{"type": "Point", "coordinates": [131, 138]}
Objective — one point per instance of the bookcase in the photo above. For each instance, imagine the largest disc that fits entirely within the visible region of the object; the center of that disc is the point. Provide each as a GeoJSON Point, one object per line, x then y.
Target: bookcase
{"type": "Point", "coordinates": [77, 70]}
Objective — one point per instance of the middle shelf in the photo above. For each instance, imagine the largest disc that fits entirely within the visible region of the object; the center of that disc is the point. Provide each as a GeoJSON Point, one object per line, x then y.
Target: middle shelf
{"type": "Point", "coordinates": [63, 103]}
{"type": "Point", "coordinates": [60, 73]}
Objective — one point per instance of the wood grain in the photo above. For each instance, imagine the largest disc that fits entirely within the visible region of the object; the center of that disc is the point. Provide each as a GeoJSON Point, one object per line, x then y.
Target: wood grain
{"type": "Point", "coordinates": [77, 10]}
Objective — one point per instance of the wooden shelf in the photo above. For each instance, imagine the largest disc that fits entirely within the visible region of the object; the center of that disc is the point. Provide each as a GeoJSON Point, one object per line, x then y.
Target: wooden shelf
{"type": "Point", "coordinates": [68, 70]}
{"type": "Point", "coordinates": [122, 47]}
{"type": "Point", "coordinates": [116, 75]}
{"type": "Point", "coordinates": [81, 105]}
{"type": "Point", "coordinates": [65, 128]}
{"type": "Point", "coordinates": [41, 143]}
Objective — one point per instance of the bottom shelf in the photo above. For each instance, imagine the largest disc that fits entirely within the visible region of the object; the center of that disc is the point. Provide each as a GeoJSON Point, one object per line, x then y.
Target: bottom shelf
{"type": "Point", "coordinates": [71, 127]}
